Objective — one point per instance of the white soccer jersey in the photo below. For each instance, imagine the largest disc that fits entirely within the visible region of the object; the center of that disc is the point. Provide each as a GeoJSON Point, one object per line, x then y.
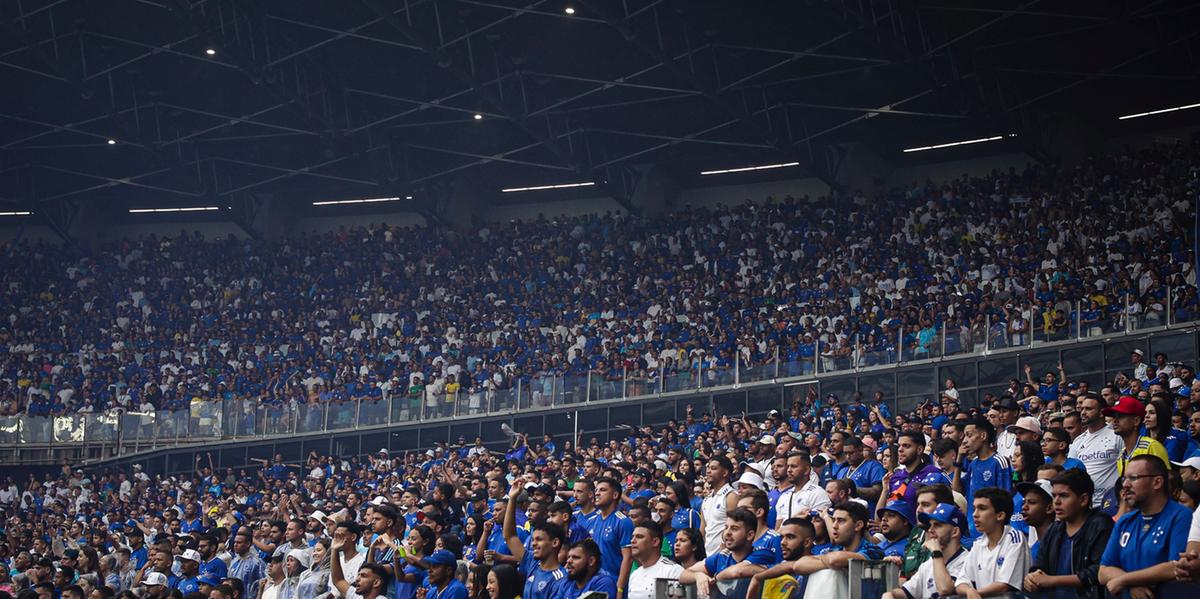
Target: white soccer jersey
{"type": "Point", "coordinates": [922, 584]}
{"type": "Point", "coordinates": [1007, 562]}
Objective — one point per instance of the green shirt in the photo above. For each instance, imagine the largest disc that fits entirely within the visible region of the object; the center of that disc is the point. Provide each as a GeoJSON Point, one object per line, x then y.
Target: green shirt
{"type": "Point", "coordinates": [915, 554]}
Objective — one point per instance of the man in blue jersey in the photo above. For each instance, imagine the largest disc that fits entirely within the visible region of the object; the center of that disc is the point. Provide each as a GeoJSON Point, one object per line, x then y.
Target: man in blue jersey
{"type": "Point", "coordinates": [866, 473]}
{"type": "Point", "coordinates": [895, 524]}
{"type": "Point", "coordinates": [1141, 551]}
{"type": "Point", "coordinates": [584, 574]}
{"type": "Point", "coordinates": [442, 583]}
{"type": "Point", "coordinates": [585, 502]}
{"type": "Point", "coordinates": [985, 468]}
{"type": "Point", "coordinates": [539, 562]}
{"type": "Point", "coordinates": [757, 502]}
{"type": "Point", "coordinates": [736, 562]}
{"type": "Point", "coordinates": [612, 531]}
{"type": "Point", "coordinates": [847, 526]}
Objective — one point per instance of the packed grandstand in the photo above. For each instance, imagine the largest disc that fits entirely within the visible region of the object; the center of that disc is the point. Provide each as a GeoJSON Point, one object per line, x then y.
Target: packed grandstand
{"type": "Point", "coordinates": [1057, 489]}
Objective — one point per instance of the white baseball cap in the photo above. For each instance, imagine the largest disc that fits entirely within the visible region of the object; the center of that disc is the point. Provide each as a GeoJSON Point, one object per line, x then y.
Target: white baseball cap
{"type": "Point", "coordinates": [155, 579]}
{"type": "Point", "coordinates": [1192, 462]}
{"type": "Point", "coordinates": [190, 555]}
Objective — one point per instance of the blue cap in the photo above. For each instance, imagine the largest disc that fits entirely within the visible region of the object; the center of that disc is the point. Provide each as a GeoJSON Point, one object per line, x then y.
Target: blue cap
{"type": "Point", "coordinates": [441, 557]}
{"type": "Point", "coordinates": [900, 507]}
{"type": "Point", "coordinates": [946, 513]}
{"type": "Point", "coordinates": [210, 579]}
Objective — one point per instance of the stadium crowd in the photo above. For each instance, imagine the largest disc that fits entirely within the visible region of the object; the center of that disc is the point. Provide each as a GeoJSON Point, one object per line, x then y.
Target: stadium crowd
{"type": "Point", "coordinates": [1069, 492]}
{"type": "Point", "coordinates": [432, 314]}
{"type": "Point", "coordinates": [1054, 489]}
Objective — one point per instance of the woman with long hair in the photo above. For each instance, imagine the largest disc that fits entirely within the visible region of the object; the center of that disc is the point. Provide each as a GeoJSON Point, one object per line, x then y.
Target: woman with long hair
{"type": "Point", "coordinates": [1158, 422]}
{"type": "Point", "coordinates": [1027, 458]}
{"type": "Point", "coordinates": [472, 530]}
{"type": "Point", "coordinates": [684, 516]}
{"type": "Point", "coordinates": [689, 547]}
{"type": "Point", "coordinates": [314, 581]}
{"type": "Point", "coordinates": [409, 573]}
{"type": "Point", "coordinates": [503, 582]}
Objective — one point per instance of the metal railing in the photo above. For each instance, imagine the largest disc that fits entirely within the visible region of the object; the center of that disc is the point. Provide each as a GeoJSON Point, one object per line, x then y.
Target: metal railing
{"type": "Point", "coordinates": [815, 359]}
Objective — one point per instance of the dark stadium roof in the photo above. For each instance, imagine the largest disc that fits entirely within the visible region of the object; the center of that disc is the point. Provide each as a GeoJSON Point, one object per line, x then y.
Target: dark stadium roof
{"type": "Point", "coordinates": [368, 98]}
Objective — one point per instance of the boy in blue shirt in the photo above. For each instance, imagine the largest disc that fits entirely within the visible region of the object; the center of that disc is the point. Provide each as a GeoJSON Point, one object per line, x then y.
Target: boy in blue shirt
{"type": "Point", "coordinates": [1140, 554]}
{"type": "Point", "coordinates": [986, 468]}
{"type": "Point", "coordinates": [539, 564]}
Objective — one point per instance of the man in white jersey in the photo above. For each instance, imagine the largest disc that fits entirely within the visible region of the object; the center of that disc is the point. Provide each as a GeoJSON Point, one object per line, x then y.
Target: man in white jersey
{"type": "Point", "coordinates": [1098, 447]}
{"type": "Point", "coordinates": [721, 499]}
{"type": "Point", "coordinates": [805, 495]}
{"type": "Point", "coordinates": [646, 545]}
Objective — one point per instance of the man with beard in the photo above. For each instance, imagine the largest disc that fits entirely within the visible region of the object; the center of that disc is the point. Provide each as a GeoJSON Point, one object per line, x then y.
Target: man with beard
{"type": "Point", "coordinates": [777, 582]}
{"type": "Point", "coordinates": [584, 574]}
{"type": "Point", "coordinates": [939, 574]}
{"type": "Point", "coordinates": [916, 470]}
{"type": "Point", "coordinates": [895, 524]}
{"type": "Point", "coordinates": [866, 473]}
{"type": "Point", "coordinates": [1145, 542]}
{"type": "Point", "coordinates": [737, 559]}
{"type": "Point", "coordinates": [1098, 447]}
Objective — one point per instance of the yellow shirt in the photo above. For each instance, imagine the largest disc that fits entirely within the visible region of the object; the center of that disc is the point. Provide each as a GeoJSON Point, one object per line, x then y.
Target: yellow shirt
{"type": "Point", "coordinates": [784, 587]}
{"type": "Point", "coordinates": [1144, 446]}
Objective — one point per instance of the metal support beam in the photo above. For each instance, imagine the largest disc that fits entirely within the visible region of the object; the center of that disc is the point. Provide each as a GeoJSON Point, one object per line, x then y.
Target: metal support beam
{"type": "Point", "coordinates": [73, 74]}
{"type": "Point", "coordinates": [489, 158]}
{"type": "Point", "coordinates": [438, 54]}
{"type": "Point", "coordinates": [712, 94]}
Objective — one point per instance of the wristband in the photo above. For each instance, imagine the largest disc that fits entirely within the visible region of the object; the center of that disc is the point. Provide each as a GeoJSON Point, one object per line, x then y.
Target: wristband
{"type": "Point", "coordinates": [935, 554]}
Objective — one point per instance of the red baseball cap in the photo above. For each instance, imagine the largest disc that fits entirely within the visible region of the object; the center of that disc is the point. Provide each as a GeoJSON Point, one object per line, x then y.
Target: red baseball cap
{"type": "Point", "coordinates": [1127, 405]}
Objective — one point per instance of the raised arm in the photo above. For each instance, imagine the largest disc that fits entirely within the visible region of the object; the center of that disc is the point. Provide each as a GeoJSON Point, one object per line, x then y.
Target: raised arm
{"type": "Point", "coordinates": [515, 546]}
{"type": "Point", "coordinates": [335, 568]}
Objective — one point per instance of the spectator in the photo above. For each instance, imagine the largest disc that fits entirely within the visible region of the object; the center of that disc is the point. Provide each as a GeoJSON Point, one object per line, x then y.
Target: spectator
{"type": "Point", "coordinates": [652, 566]}
{"type": "Point", "coordinates": [1067, 561]}
{"type": "Point", "coordinates": [1127, 415]}
{"type": "Point", "coordinates": [1099, 448]}
{"type": "Point", "coordinates": [999, 558]}
{"type": "Point", "coordinates": [986, 468]}
{"type": "Point", "coordinates": [1140, 553]}
{"type": "Point", "coordinates": [938, 575]}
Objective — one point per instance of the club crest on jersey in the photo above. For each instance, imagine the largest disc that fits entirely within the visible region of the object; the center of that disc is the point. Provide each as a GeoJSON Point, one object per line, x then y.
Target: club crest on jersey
{"type": "Point", "coordinates": [987, 475]}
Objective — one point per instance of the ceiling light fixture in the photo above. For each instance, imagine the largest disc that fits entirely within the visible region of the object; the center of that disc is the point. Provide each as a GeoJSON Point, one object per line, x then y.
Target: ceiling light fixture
{"type": "Point", "coordinates": [569, 10]}
{"type": "Point", "coordinates": [358, 201]}
{"type": "Point", "coordinates": [210, 52]}
{"type": "Point", "coordinates": [18, 213]}
{"type": "Point", "coordinates": [191, 209]}
{"type": "Point", "coordinates": [743, 169]}
{"type": "Point", "coordinates": [541, 187]}
{"type": "Point", "coordinates": [1154, 112]}
{"type": "Point", "coordinates": [112, 142]}
{"type": "Point", "coordinates": [965, 142]}
{"type": "Point", "coordinates": [478, 117]}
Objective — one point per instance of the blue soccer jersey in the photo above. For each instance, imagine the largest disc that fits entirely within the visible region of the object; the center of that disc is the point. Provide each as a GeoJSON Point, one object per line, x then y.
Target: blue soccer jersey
{"type": "Point", "coordinates": [611, 533]}
{"type": "Point", "coordinates": [992, 472]}
{"type": "Point", "coordinates": [1140, 541]}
